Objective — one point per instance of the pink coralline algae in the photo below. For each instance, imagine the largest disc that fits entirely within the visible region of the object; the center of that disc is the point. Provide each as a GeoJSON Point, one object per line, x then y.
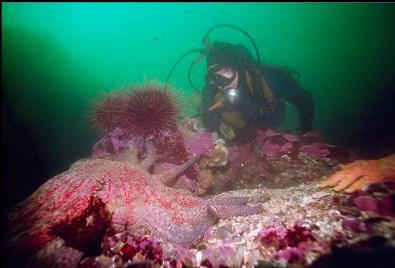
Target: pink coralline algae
{"type": "Point", "coordinates": [115, 141]}
{"type": "Point", "coordinates": [273, 144]}
{"type": "Point", "coordinates": [377, 199]}
{"type": "Point", "coordinates": [272, 149]}
{"type": "Point", "coordinates": [382, 206]}
{"type": "Point", "coordinates": [354, 224]}
{"type": "Point", "coordinates": [121, 249]}
{"type": "Point", "coordinates": [290, 244]}
{"type": "Point", "coordinates": [151, 250]}
{"type": "Point", "coordinates": [280, 237]}
{"type": "Point", "coordinates": [223, 257]}
{"type": "Point", "coordinates": [199, 144]}
{"type": "Point", "coordinates": [170, 147]}
{"type": "Point", "coordinates": [316, 149]}
{"type": "Point", "coordinates": [291, 255]}
{"type": "Point", "coordinates": [71, 212]}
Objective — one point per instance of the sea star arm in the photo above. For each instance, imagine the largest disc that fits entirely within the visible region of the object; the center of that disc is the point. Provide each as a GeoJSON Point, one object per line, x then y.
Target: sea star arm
{"type": "Point", "coordinates": [170, 177]}
{"type": "Point", "coordinates": [158, 222]}
{"type": "Point", "coordinates": [355, 175]}
{"type": "Point", "coordinates": [224, 199]}
{"type": "Point", "coordinates": [230, 206]}
{"type": "Point", "coordinates": [226, 211]}
{"type": "Point", "coordinates": [150, 156]}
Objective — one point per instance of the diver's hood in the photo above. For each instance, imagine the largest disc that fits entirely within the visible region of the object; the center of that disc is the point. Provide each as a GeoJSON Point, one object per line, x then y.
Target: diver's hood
{"type": "Point", "coordinates": [222, 54]}
{"type": "Point", "coordinates": [228, 55]}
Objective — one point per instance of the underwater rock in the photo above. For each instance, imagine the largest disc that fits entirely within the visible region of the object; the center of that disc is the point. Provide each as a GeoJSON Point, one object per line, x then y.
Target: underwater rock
{"type": "Point", "coordinates": [274, 144]}
{"type": "Point", "coordinates": [116, 141]}
{"type": "Point", "coordinates": [190, 127]}
{"type": "Point", "coordinates": [200, 144]}
{"type": "Point", "coordinates": [316, 149]}
{"type": "Point", "coordinates": [295, 234]}
{"type": "Point", "coordinates": [293, 159]}
{"type": "Point", "coordinates": [224, 256]}
{"type": "Point", "coordinates": [205, 179]}
{"type": "Point", "coordinates": [171, 149]}
{"type": "Point", "coordinates": [218, 157]}
{"type": "Point", "coordinates": [272, 159]}
{"type": "Point", "coordinates": [245, 169]}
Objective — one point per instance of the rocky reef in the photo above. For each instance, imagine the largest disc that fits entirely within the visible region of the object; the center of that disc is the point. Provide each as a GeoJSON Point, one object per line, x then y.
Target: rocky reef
{"type": "Point", "coordinates": [167, 193]}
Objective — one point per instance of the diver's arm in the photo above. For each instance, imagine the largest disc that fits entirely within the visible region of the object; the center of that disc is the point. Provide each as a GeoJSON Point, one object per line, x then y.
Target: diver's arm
{"type": "Point", "coordinates": [304, 104]}
{"type": "Point", "coordinates": [283, 84]}
{"type": "Point", "coordinates": [211, 120]}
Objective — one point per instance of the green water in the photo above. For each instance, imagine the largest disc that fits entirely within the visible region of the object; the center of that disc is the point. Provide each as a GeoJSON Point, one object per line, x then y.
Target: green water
{"type": "Point", "coordinates": [58, 56]}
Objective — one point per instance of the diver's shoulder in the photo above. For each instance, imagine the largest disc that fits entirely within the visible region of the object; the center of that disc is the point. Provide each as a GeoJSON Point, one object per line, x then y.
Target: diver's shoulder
{"type": "Point", "coordinates": [278, 71]}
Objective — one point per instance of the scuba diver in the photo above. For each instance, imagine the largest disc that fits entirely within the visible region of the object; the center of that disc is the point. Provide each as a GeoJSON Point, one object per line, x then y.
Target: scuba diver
{"type": "Point", "coordinates": [241, 94]}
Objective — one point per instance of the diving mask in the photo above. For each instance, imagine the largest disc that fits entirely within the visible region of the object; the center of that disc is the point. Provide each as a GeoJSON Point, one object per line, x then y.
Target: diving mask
{"type": "Point", "coordinates": [227, 81]}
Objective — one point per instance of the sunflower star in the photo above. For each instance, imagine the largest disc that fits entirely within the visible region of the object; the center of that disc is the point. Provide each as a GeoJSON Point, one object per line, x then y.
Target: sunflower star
{"type": "Point", "coordinates": [68, 215]}
{"type": "Point", "coordinates": [357, 174]}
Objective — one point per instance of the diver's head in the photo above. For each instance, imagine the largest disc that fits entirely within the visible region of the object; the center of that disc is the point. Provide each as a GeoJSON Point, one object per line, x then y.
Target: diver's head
{"type": "Point", "coordinates": [225, 63]}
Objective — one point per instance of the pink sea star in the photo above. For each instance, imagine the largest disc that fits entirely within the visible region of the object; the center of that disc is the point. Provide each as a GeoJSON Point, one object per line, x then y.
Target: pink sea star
{"type": "Point", "coordinates": [68, 215]}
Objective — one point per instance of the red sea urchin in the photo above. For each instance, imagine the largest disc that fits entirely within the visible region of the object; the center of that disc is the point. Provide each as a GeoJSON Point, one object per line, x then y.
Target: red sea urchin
{"type": "Point", "coordinates": [143, 111]}
{"type": "Point", "coordinates": [151, 110]}
{"type": "Point", "coordinates": [108, 110]}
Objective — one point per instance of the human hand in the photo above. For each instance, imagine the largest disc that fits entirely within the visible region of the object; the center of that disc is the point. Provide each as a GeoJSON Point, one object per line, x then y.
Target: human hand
{"type": "Point", "coordinates": [355, 175]}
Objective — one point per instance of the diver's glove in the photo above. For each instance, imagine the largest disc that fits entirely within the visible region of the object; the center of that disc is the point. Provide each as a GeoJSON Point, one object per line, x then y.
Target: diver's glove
{"type": "Point", "coordinates": [306, 125]}
{"type": "Point", "coordinates": [304, 104]}
{"type": "Point", "coordinates": [356, 175]}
